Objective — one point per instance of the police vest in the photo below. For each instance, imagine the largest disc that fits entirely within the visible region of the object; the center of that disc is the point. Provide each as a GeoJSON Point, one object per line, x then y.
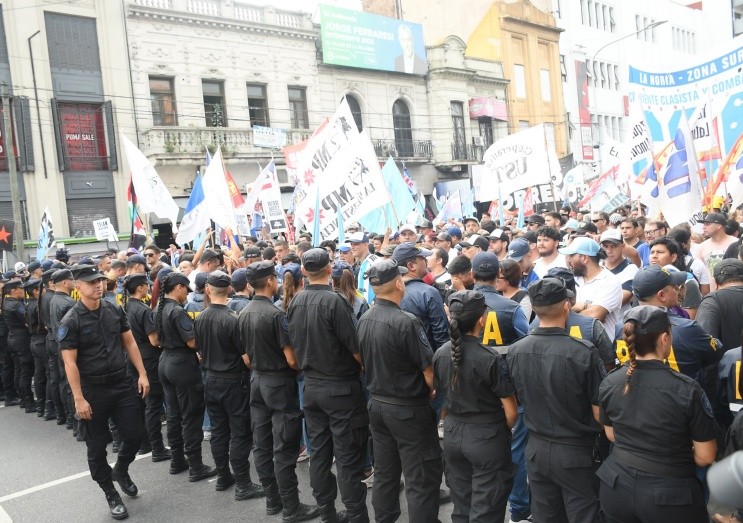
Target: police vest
{"type": "Point", "coordinates": [499, 329]}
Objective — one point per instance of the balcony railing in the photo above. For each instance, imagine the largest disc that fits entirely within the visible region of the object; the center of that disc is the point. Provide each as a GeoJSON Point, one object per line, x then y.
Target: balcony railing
{"type": "Point", "coordinates": [413, 149]}
{"type": "Point", "coordinates": [467, 152]}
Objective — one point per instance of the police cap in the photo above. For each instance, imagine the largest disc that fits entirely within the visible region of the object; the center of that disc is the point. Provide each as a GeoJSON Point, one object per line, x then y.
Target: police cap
{"type": "Point", "coordinates": [200, 280]}
{"type": "Point", "coordinates": [239, 278]}
{"type": "Point", "coordinates": [384, 271]}
{"type": "Point", "coordinates": [466, 301]}
{"type": "Point", "coordinates": [315, 259]}
{"type": "Point", "coordinates": [87, 273]}
{"type": "Point", "coordinates": [263, 269]}
{"type": "Point", "coordinates": [135, 280]}
{"type": "Point", "coordinates": [219, 279]}
{"type": "Point", "coordinates": [136, 259]}
{"type": "Point", "coordinates": [13, 284]}
{"type": "Point", "coordinates": [548, 291]}
{"type": "Point", "coordinates": [565, 275]}
{"type": "Point", "coordinates": [294, 269]}
{"type": "Point", "coordinates": [61, 275]}
{"type": "Point", "coordinates": [728, 267]}
{"type": "Point", "coordinates": [31, 283]}
{"type": "Point", "coordinates": [648, 319]}
{"type": "Point", "coordinates": [33, 266]}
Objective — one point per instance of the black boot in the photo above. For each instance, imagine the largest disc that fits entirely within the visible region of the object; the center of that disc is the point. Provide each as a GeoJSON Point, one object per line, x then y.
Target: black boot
{"type": "Point", "coordinates": [273, 499]}
{"type": "Point", "coordinates": [50, 412]}
{"type": "Point", "coordinates": [116, 445]}
{"type": "Point", "coordinates": [329, 515]}
{"type": "Point", "coordinates": [145, 446]}
{"type": "Point", "coordinates": [69, 420]}
{"type": "Point", "coordinates": [115, 505]}
{"type": "Point", "coordinates": [178, 463]}
{"type": "Point", "coordinates": [225, 479]}
{"type": "Point", "coordinates": [40, 408]}
{"type": "Point", "coordinates": [159, 452]}
{"type": "Point", "coordinates": [296, 511]}
{"type": "Point", "coordinates": [30, 405]}
{"type": "Point", "coordinates": [9, 402]}
{"type": "Point", "coordinates": [120, 474]}
{"type": "Point", "coordinates": [197, 470]}
{"type": "Point", "coordinates": [246, 489]}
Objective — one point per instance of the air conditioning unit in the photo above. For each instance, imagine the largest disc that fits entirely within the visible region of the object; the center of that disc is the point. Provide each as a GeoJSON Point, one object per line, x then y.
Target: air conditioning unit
{"type": "Point", "coordinates": [478, 140]}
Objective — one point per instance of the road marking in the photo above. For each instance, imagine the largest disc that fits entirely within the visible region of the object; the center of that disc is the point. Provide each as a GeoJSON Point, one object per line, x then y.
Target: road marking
{"type": "Point", "coordinates": [4, 517]}
{"type": "Point", "coordinates": [54, 483]}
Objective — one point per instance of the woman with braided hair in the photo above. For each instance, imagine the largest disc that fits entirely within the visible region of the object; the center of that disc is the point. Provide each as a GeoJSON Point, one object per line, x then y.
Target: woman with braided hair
{"type": "Point", "coordinates": [482, 410]}
{"type": "Point", "coordinates": [181, 378]}
{"type": "Point", "coordinates": [662, 426]}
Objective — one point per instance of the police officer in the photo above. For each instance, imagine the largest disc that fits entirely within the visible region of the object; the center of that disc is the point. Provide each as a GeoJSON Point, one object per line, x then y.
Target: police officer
{"type": "Point", "coordinates": [6, 357]}
{"type": "Point", "coordinates": [54, 406]}
{"type": "Point", "coordinates": [557, 379]}
{"type": "Point", "coordinates": [33, 288]}
{"type": "Point", "coordinates": [19, 341]}
{"type": "Point", "coordinates": [181, 378]}
{"type": "Point", "coordinates": [226, 389]}
{"type": "Point", "coordinates": [241, 298]}
{"type": "Point", "coordinates": [662, 426]}
{"type": "Point", "coordinates": [142, 323]}
{"type": "Point", "coordinates": [274, 398]}
{"type": "Point", "coordinates": [482, 409]}
{"type": "Point", "coordinates": [322, 333]}
{"type": "Point", "coordinates": [399, 375]}
{"type": "Point", "coordinates": [93, 337]}
{"type": "Point", "coordinates": [60, 303]}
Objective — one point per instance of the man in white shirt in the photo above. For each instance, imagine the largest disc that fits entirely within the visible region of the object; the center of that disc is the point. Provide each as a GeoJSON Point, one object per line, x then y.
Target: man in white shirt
{"type": "Point", "coordinates": [437, 263]}
{"type": "Point", "coordinates": [360, 248]}
{"type": "Point", "coordinates": [548, 238]}
{"type": "Point", "coordinates": [712, 250]}
{"type": "Point", "coordinates": [613, 244]}
{"type": "Point", "coordinates": [598, 292]}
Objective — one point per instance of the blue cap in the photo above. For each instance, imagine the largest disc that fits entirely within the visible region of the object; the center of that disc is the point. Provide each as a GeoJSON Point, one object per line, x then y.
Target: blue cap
{"type": "Point", "coordinates": [294, 269]}
{"type": "Point", "coordinates": [652, 278]}
{"type": "Point", "coordinates": [339, 267]}
{"type": "Point", "coordinates": [344, 248]}
{"type": "Point", "coordinates": [407, 250]}
{"type": "Point", "coordinates": [485, 263]}
{"type": "Point", "coordinates": [517, 249]}
{"type": "Point", "coordinates": [162, 273]}
{"type": "Point", "coordinates": [581, 245]}
{"type": "Point", "coordinates": [200, 280]}
{"type": "Point", "coordinates": [455, 232]}
{"type": "Point", "coordinates": [239, 277]}
{"type": "Point", "coordinates": [46, 265]}
{"type": "Point", "coordinates": [135, 259]}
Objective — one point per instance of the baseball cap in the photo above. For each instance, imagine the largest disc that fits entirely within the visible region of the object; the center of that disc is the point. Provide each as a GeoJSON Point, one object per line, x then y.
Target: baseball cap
{"type": "Point", "coordinates": [407, 250]}
{"type": "Point", "coordinates": [471, 219]}
{"type": "Point", "coordinates": [384, 271]}
{"type": "Point", "coordinates": [425, 224]}
{"type": "Point", "coordinates": [581, 245]}
{"type": "Point", "coordinates": [408, 227]}
{"type": "Point", "coordinates": [444, 236]}
{"type": "Point", "coordinates": [518, 249]}
{"type": "Point", "coordinates": [652, 278]}
{"type": "Point", "coordinates": [615, 218]}
{"type": "Point", "coordinates": [485, 262]}
{"type": "Point", "coordinates": [339, 267]}
{"type": "Point", "coordinates": [61, 275]}
{"type": "Point", "coordinates": [535, 218]}
{"type": "Point", "coordinates": [611, 235]}
{"type": "Point", "coordinates": [455, 232]}
{"type": "Point", "coordinates": [200, 280]}
{"type": "Point", "coordinates": [135, 259]}
{"type": "Point", "coordinates": [294, 269]}
{"type": "Point", "coordinates": [258, 271]}
{"type": "Point", "coordinates": [728, 267]}
{"type": "Point", "coordinates": [715, 217]}
{"type": "Point", "coordinates": [549, 291]}
{"type": "Point", "coordinates": [358, 237]}
{"type": "Point", "coordinates": [344, 248]}
{"type": "Point", "coordinates": [498, 234]}
{"type": "Point", "coordinates": [316, 259]}
{"type": "Point", "coordinates": [218, 279]}
{"type": "Point", "coordinates": [476, 241]}
{"type": "Point", "coordinates": [131, 250]}
{"type": "Point", "coordinates": [207, 255]}
{"type": "Point", "coordinates": [572, 224]}
{"type": "Point", "coordinates": [648, 319]}
{"type": "Point", "coordinates": [388, 250]}
{"type": "Point", "coordinates": [252, 252]}
{"type": "Point", "coordinates": [239, 277]}
{"type": "Point", "coordinates": [87, 273]}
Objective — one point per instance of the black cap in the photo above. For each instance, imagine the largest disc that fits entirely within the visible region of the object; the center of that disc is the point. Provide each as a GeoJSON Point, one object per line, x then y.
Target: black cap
{"type": "Point", "coordinates": [384, 271]}
{"type": "Point", "coordinates": [8, 275]}
{"type": "Point", "coordinates": [652, 278]}
{"type": "Point", "coordinates": [85, 260]}
{"type": "Point", "coordinates": [339, 267]}
{"type": "Point", "coordinates": [47, 275]}
{"type": "Point", "coordinates": [466, 301]}
{"type": "Point", "coordinates": [87, 273]}
{"type": "Point", "coordinates": [548, 291]}
{"type": "Point", "coordinates": [315, 259]}
{"type": "Point", "coordinates": [530, 236]}
{"type": "Point", "coordinates": [33, 266]}
{"type": "Point", "coordinates": [264, 269]}
{"type": "Point", "coordinates": [31, 283]}
{"type": "Point", "coordinates": [475, 241]}
{"type": "Point", "coordinates": [444, 236]}
{"type": "Point", "coordinates": [219, 279]}
{"type": "Point", "coordinates": [535, 218]}
{"type": "Point", "coordinates": [407, 250]}
{"type": "Point", "coordinates": [199, 280]}
{"type": "Point", "coordinates": [715, 217]}
{"type": "Point", "coordinates": [485, 263]}
{"type": "Point", "coordinates": [728, 267]}
{"type": "Point", "coordinates": [648, 319]}
{"type": "Point", "coordinates": [61, 275]}
{"type": "Point", "coordinates": [176, 278]}
{"type": "Point", "coordinates": [13, 284]}
{"type": "Point", "coordinates": [239, 278]}
{"type": "Point", "coordinates": [136, 259]}
{"type": "Point", "coordinates": [470, 219]}
{"type": "Point", "coordinates": [207, 255]}
{"type": "Point", "coordinates": [565, 275]}
{"type": "Point", "coordinates": [252, 252]}
{"type": "Point", "coordinates": [135, 280]}
{"type": "Point", "coordinates": [162, 273]}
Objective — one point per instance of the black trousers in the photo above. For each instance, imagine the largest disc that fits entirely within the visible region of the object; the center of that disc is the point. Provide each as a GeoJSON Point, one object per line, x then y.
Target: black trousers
{"type": "Point", "coordinates": [228, 404]}
{"type": "Point", "coordinates": [64, 387]}
{"type": "Point", "coordinates": [629, 495]}
{"type": "Point", "coordinates": [154, 407]}
{"type": "Point", "coordinates": [23, 364]}
{"type": "Point", "coordinates": [277, 429]}
{"type": "Point", "coordinates": [563, 484]}
{"type": "Point", "coordinates": [6, 369]}
{"type": "Point", "coordinates": [337, 425]}
{"type": "Point", "coordinates": [121, 403]}
{"type": "Point", "coordinates": [479, 470]}
{"type": "Point", "coordinates": [184, 398]}
{"type": "Point", "coordinates": [53, 376]}
{"type": "Point", "coordinates": [38, 351]}
{"type": "Point", "coordinates": [405, 441]}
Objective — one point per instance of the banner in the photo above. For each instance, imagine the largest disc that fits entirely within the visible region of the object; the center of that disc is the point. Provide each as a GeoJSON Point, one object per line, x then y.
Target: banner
{"type": "Point", "coordinates": [217, 194]}
{"type": "Point", "coordinates": [273, 208]}
{"type": "Point", "coordinates": [401, 205]}
{"type": "Point", "coordinates": [46, 236]}
{"type": "Point", "coordinates": [268, 137]}
{"type": "Point", "coordinates": [6, 235]}
{"type": "Point", "coordinates": [515, 162]}
{"type": "Point", "coordinates": [451, 209]}
{"type": "Point", "coordinates": [584, 111]}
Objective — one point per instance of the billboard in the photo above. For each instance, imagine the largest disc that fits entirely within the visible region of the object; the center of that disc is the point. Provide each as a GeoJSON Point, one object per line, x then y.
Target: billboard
{"type": "Point", "coordinates": [358, 39]}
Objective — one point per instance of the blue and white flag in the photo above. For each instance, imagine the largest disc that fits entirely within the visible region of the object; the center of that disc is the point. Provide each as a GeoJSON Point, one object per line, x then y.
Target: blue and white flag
{"type": "Point", "coordinates": [401, 205]}
{"type": "Point", "coordinates": [195, 218]}
{"type": "Point", "coordinates": [46, 236]}
{"type": "Point", "coordinates": [451, 209]}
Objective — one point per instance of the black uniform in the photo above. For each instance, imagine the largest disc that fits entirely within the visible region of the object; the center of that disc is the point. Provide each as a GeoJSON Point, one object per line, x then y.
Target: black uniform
{"type": "Point", "coordinates": [557, 379]}
{"type": "Point", "coordinates": [19, 343]}
{"type": "Point", "coordinates": [105, 384]}
{"type": "Point", "coordinates": [321, 330]}
{"type": "Point", "coordinates": [477, 439]}
{"type": "Point", "coordinates": [651, 472]}
{"type": "Point", "coordinates": [52, 361]}
{"type": "Point", "coordinates": [7, 373]}
{"type": "Point", "coordinates": [142, 323]}
{"type": "Point", "coordinates": [59, 304]}
{"type": "Point", "coordinates": [38, 350]}
{"type": "Point", "coordinates": [396, 351]}
{"type": "Point", "coordinates": [181, 380]}
{"type": "Point", "coordinates": [274, 399]}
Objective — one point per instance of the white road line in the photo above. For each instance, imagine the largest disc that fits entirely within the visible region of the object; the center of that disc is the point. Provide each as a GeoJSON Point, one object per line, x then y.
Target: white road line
{"type": "Point", "coordinates": [54, 483]}
{"type": "Point", "coordinates": [4, 517]}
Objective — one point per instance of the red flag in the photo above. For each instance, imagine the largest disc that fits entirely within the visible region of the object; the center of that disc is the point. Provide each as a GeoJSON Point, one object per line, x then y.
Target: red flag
{"type": "Point", "coordinates": [528, 202]}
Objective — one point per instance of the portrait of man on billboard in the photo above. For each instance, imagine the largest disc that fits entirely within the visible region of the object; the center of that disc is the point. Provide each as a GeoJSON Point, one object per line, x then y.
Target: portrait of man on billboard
{"type": "Point", "coordinates": [409, 62]}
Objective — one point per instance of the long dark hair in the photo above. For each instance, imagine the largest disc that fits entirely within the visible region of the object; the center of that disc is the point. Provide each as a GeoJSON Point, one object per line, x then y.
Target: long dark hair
{"type": "Point", "coordinates": [641, 344]}
{"type": "Point", "coordinates": [167, 284]}
{"type": "Point", "coordinates": [291, 288]}
{"type": "Point", "coordinates": [346, 286]}
{"type": "Point", "coordinates": [39, 325]}
{"type": "Point", "coordinates": [461, 322]}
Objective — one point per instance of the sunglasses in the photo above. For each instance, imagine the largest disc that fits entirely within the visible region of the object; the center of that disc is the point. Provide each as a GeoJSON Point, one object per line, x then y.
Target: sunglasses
{"type": "Point", "coordinates": [598, 220]}
{"type": "Point", "coordinates": [149, 254]}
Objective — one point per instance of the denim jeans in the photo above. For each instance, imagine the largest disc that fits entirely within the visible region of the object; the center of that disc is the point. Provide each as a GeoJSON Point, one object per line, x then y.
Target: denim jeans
{"type": "Point", "coordinates": [519, 500]}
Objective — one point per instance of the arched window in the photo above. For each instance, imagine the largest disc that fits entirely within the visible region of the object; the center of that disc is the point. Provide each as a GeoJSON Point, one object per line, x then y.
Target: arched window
{"type": "Point", "coordinates": [353, 103]}
{"type": "Point", "coordinates": [403, 129]}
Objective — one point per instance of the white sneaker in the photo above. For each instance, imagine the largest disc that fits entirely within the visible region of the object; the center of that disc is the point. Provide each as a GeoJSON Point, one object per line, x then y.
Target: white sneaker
{"type": "Point", "coordinates": [369, 482]}
{"type": "Point", "coordinates": [441, 429]}
{"type": "Point", "coordinates": [303, 456]}
{"type": "Point", "coordinates": [207, 435]}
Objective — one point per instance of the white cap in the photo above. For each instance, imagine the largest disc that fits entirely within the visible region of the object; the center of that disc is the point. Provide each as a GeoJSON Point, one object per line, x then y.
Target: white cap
{"type": "Point", "coordinates": [408, 227]}
{"type": "Point", "coordinates": [611, 235]}
{"type": "Point", "coordinates": [20, 267]}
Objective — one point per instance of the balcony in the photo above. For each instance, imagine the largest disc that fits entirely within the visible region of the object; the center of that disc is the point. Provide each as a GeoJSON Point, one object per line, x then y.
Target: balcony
{"type": "Point", "coordinates": [467, 152]}
{"type": "Point", "coordinates": [409, 150]}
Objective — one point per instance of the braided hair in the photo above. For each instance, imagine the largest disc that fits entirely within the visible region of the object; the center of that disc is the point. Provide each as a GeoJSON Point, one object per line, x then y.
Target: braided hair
{"type": "Point", "coordinates": [167, 286]}
{"type": "Point", "coordinates": [462, 320]}
{"type": "Point", "coordinates": [637, 343]}
{"type": "Point", "coordinates": [39, 324]}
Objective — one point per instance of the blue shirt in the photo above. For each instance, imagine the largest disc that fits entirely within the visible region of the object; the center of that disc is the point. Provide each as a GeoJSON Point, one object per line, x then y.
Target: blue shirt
{"type": "Point", "coordinates": [425, 303]}
{"type": "Point", "coordinates": [528, 279]}
{"type": "Point", "coordinates": [644, 252]}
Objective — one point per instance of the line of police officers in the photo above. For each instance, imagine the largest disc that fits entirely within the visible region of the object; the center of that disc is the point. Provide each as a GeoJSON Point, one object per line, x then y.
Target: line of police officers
{"type": "Point", "coordinates": [557, 379]}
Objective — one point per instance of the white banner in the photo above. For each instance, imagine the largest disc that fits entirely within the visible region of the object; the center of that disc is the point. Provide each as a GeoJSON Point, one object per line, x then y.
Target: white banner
{"type": "Point", "coordinates": [273, 207]}
{"type": "Point", "coordinates": [104, 230]}
{"type": "Point", "coordinates": [217, 194]}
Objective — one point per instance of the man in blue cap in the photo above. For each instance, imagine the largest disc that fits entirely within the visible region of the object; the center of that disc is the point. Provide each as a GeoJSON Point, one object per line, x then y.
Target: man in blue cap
{"type": "Point", "coordinates": [520, 251]}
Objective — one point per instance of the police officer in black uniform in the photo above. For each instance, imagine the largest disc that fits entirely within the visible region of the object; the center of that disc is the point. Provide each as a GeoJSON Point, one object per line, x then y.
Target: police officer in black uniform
{"type": "Point", "coordinates": [274, 398]}
{"type": "Point", "coordinates": [142, 323]}
{"type": "Point", "coordinates": [322, 333]}
{"type": "Point", "coordinates": [662, 426]}
{"type": "Point", "coordinates": [19, 341]}
{"type": "Point", "coordinates": [181, 378]}
{"type": "Point", "coordinates": [226, 389]}
{"type": "Point", "coordinates": [33, 288]}
{"type": "Point", "coordinates": [93, 337]}
{"type": "Point", "coordinates": [482, 410]}
{"type": "Point", "coordinates": [399, 376]}
{"type": "Point", "coordinates": [6, 357]}
{"type": "Point", "coordinates": [54, 408]}
{"type": "Point", "coordinates": [239, 282]}
{"type": "Point", "coordinates": [557, 380]}
{"type": "Point", "coordinates": [60, 303]}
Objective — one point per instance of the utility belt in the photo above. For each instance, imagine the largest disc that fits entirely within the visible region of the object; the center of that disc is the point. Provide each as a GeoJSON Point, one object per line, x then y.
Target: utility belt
{"type": "Point", "coordinates": [479, 418]}
{"type": "Point", "coordinates": [105, 379]}
{"type": "Point", "coordinates": [404, 402]}
{"type": "Point", "coordinates": [652, 467]}
{"type": "Point", "coordinates": [238, 375]}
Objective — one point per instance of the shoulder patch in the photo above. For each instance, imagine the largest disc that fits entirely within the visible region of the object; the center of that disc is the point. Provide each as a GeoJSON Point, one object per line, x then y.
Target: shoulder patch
{"type": "Point", "coordinates": [185, 323]}
{"type": "Point", "coordinates": [706, 405]}
{"type": "Point", "coordinates": [61, 332]}
{"type": "Point", "coordinates": [503, 366]}
{"type": "Point", "coordinates": [284, 323]}
{"type": "Point", "coordinates": [421, 335]}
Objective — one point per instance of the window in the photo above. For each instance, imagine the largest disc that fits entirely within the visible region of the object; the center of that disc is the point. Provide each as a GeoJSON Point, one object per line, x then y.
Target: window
{"type": "Point", "coordinates": [214, 108]}
{"type": "Point", "coordinates": [258, 105]}
{"type": "Point", "coordinates": [523, 125]}
{"type": "Point", "coordinates": [486, 130]}
{"type": "Point", "coordinates": [519, 81]}
{"type": "Point", "coordinates": [598, 15]}
{"type": "Point", "coordinates": [353, 104]}
{"type": "Point", "coordinates": [162, 96]}
{"type": "Point", "coordinates": [544, 78]}
{"type": "Point", "coordinates": [563, 69]}
{"type": "Point", "coordinates": [683, 40]}
{"type": "Point", "coordinates": [298, 108]}
{"type": "Point", "coordinates": [402, 128]}
{"type": "Point", "coordinates": [644, 34]}
{"type": "Point", "coordinates": [457, 120]}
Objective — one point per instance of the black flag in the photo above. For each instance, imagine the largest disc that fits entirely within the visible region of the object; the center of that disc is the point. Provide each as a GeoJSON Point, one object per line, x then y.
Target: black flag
{"type": "Point", "coordinates": [6, 235]}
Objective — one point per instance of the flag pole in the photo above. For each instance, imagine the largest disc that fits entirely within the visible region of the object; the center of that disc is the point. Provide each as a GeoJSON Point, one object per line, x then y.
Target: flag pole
{"type": "Point", "coordinates": [549, 168]}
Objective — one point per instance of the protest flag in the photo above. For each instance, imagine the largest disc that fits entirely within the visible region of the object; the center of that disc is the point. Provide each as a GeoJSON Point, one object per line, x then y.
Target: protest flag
{"type": "Point", "coordinates": [46, 235]}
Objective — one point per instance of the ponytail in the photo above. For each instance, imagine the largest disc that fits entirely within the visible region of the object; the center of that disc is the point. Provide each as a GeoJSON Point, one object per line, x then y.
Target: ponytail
{"type": "Point", "coordinates": [124, 296]}
{"type": "Point", "coordinates": [346, 286]}
{"type": "Point", "coordinates": [39, 325]}
{"type": "Point", "coordinates": [630, 339]}
{"type": "Point", "coordinates": [290, 290]}
{"type": "Point", "coordinates": [456, 350]}
{"type": "Point", "coordinates": [160, 306]}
